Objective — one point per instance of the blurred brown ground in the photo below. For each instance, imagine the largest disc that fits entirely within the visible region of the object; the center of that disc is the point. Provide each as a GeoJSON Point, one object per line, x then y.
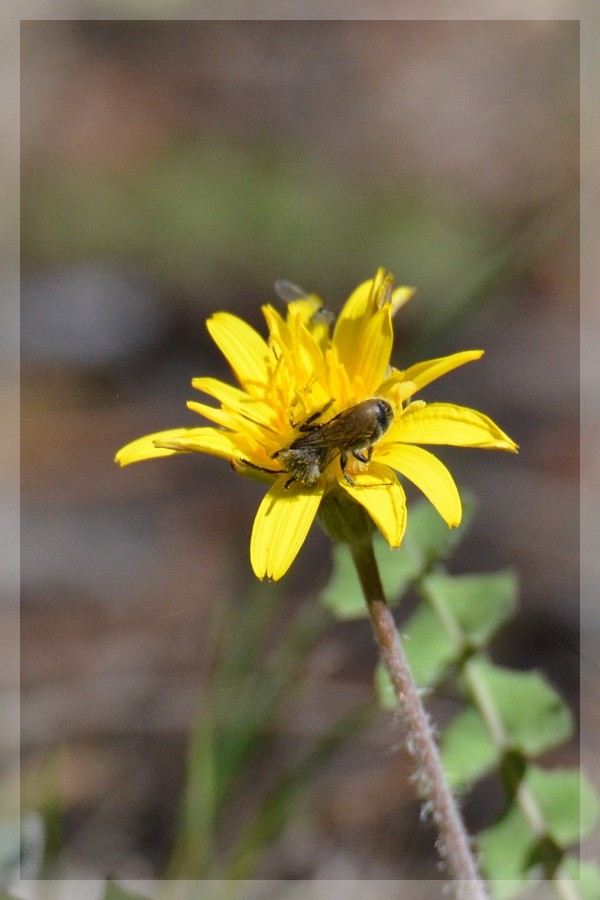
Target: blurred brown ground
{"type": "Point", "coordinates": [122, 569]}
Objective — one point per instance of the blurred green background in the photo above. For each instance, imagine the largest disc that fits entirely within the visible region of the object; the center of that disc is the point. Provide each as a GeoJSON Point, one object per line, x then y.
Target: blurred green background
{"type": "Point", "coordinates": [171, 169]}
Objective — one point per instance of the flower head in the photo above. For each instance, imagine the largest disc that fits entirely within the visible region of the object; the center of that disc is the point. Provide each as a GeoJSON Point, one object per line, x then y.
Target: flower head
{"type": "Point", "coordinates": [316, 412]}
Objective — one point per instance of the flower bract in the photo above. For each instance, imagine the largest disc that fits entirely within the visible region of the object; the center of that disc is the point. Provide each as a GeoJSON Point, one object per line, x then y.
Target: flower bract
{"type": "Point", "coordinates": [299, 419]}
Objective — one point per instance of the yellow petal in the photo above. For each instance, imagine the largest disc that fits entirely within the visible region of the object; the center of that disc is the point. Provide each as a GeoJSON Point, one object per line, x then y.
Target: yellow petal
{"type": "Point", "coordinates": [350, 321]}
{"type": "Point", "coordinates": [306, 308]}
{"type": "Point", "coordinates": [400, 297]}
{"type": "Point", "coordinates": [217, 414]}
{"type": "Point", "coordinates": [202, 440]}
{"type": "Point", "coordinates": [369, 298]}
{"type": "Point", "coordinates": [235, 399]}
{"type": "Point", "coordinates": [308, 359]}
{"type": "Point", "coordinates": [381, 494]}
{"type": "Point", "coordinates": [279, 330]}
{"type": "Point", "coordinates": [319, 327]}
{"type": "Point", "coordinates": [445, 423]}
{"type": "Point", "coordinates": [243, 347]}
{"type": "Point", "coordinates": [395, 388]}
{"type": "Point", "coordinates": [145, 448]}
{"type": "Point", "coordinates": [177, 440]}
{"type": "Point", "coordinates": [381, 290]}
{"type": "Point", "coordinates": [425, 372]}
{"type": "Point", "coordinates": [282, 522]}
{"type": "Point", "coordinates": [357, 303]}
{"type": "Point", "coordinates": [220, 390]}
{"type": "Point", "coordinates": [372, 356]}
{"type": "Point", "coordinates": [232, 420]}
{"type": "Point", "coordinates": [428, 473]}
{"type": "Point", "coordinates": [312, 313]}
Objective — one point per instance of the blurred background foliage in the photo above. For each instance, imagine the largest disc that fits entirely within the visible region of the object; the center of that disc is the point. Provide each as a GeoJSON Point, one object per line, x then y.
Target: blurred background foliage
{"type": "Point", "coordinates": [204, 217]}
{"type": "Point", "coordinates": [214, 219]}
{"type": "Point", "coordinates": [171, 169]}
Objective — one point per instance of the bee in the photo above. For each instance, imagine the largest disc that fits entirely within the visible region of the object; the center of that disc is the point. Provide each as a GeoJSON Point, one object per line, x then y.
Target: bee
{"type": "Point", "coordinates": [353, 432]}
{"type": "Point", "coordinates": [291, 293]}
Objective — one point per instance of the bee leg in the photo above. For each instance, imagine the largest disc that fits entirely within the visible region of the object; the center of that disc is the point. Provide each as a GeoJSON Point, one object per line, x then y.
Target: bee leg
{"type": "Point", "coordinates": [363, 456]}
{"type": "Point", "coordinates": [307, 426]}
{"type": "Point", "coordinates": [343, 464]}
{"type": "Point", "coordinates": [246, 462]}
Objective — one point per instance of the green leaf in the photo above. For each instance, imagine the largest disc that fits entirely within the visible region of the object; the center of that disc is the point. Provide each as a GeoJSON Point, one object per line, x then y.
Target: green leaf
{"type": "Point", "coordinates": [472, 607]}
{"type": "Point", "coordinates": [585, 877]}
{"type": "Point", "coordinates": [507, 850]}
{"type": "Point", "coordinates": [398, 568]}
{"type": "Point", "coordinates": [516, 711]}
{"type": "Point", "coordinates": [428, 647]}
{"type": "Point", "coordinates": [343, 596]}
{"type": "Point", "coordinates": [461, 612]}
{"type": "Point", "coordinates": [567, 802]}
{"type": "Point", "coordinates": [467, 749]}
{"type": "Point", "coordinates": [427, 540]}
{"type": "Point", "coordinates": [384, 689]}
{"type": "Point", "coordinates": [511, 847]}
{"type": "Point", "coordinates": [522, 710]}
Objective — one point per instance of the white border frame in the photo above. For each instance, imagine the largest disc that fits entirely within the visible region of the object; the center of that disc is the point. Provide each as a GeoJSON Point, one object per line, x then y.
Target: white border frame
{"type": "Point", "coordinates": [587, 12]}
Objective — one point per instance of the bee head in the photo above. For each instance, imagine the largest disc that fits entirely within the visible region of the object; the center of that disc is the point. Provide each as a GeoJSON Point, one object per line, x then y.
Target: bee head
{"type": "Point", "coordinates": [384, 415]}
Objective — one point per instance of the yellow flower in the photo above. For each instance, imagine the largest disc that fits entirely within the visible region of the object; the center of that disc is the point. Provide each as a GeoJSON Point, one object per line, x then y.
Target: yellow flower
{"type": "Point", "coordinates": [301, 421]}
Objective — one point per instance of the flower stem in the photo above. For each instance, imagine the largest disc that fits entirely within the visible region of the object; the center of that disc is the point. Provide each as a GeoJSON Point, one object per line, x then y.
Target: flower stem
{"type": "Point", "coordinates": [454, 844]}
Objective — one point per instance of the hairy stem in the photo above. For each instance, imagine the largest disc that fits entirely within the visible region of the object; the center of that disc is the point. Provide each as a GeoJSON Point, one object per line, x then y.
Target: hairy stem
{"type": "Point", "coordinates": [454, 846]}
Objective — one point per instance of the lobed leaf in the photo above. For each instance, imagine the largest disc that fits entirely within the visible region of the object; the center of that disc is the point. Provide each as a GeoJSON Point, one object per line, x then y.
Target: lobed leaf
{"type": "Point", "coordinates": [567, 802]}
{"type": "Point", "coordinates": [508, 854]}
{"type": "Point", "coordinates": [467, 750]}
{"type": "Point", "coordinates": [473, 607]}
{"type": "Point", "coordinates": [429, 649]}
{"type": "Point", "coordinates": [586, 877]}
{"type": "Point", "coordinates": [559, 811]}
{"type": "Point", "coordinates": [462, 612]}
{"type": "Point", "coordinates": [516, 711]}
{"type": "Point", "coordinates": [524, 710]}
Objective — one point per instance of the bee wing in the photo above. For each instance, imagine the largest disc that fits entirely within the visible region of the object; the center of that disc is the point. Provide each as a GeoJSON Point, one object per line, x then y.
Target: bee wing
{"type": "Point", "coordinates": [288, 291]}
{"type": "Point", "coordinates": [343, 431]}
